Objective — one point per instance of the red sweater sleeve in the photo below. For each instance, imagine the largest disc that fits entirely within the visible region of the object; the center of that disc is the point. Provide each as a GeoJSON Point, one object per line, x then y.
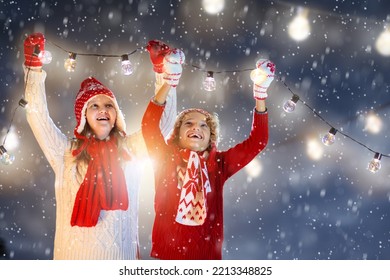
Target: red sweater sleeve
{"type": "Point", "coordinates": [240, 155]}
{"type": "Point", "coordinates": [151, 129]}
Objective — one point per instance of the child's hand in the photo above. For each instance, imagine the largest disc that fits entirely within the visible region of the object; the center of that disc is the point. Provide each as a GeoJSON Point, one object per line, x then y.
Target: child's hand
{"type": "Point", "coordinates": [157, 50]}
{"type": "Point", "coordinates": [30, 43]}
{"type": "Point", "coordinates": [262, 77]}
{"type": "Point", "coordinates": [173, 66]}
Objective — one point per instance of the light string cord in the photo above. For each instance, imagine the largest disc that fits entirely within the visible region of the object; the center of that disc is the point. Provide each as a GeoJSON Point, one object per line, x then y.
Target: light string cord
{"type": "Point", "coordinates": [10, 125]}
{"type": "Point", "coordinates": [303, 102]}
{"type": "Point", "coordinates": [217, 72]}
{"type": "Point", "coordinates": [95, 54]}
{"type": "Point", "coordinates": [327, 122]}
{"type": "Point", "coordinates": [222, 71]}
{"type": "Point", "coordinates": [16, 108]}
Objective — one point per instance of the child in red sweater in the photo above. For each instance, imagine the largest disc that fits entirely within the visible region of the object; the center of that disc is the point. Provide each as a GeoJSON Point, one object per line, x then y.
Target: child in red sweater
{"type": "Point", "coordinates": [190, 173]}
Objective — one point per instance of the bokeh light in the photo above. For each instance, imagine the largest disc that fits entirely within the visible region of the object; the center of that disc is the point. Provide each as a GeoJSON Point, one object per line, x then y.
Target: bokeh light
{"type": "Point", "coordinates": [213, 6]}
{"type": "Point", "coordinates": [373, 124]}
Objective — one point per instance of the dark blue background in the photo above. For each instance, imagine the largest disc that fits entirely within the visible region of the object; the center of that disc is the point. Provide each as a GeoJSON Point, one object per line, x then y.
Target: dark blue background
{"type": "Point", "coordinates": [298, 207]}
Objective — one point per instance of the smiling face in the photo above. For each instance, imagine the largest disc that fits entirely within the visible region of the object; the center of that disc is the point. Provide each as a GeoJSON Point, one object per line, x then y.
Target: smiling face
{"type": "Point", "coordinates": [194, 132]}
{"type": "Point", "coordinates": [101, 115]}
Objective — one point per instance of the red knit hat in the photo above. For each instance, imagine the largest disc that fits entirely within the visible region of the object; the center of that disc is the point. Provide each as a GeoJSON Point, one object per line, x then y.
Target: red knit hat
{"type": "Point", "coordinates": [90, 88]}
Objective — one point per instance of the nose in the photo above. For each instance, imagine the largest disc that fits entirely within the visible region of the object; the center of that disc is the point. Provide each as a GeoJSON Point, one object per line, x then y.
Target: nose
{"type": "Point", "coordinates": [102, 110]}
{"type": "Point", "coordinates": [195, 127]}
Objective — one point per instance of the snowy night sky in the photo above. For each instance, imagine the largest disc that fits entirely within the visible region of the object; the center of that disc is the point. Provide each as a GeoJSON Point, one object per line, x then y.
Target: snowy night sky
{"type": "Point", "coordinates": [299, 199]}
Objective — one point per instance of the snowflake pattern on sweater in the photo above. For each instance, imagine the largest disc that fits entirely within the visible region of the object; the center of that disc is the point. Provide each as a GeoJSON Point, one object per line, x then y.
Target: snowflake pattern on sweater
{"type": "Point", "coordinates": [194, 185]}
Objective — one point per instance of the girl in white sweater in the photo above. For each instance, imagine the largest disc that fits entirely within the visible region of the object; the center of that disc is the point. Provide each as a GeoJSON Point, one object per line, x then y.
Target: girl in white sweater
{"type": "Point", "coordinates": [97, 173]}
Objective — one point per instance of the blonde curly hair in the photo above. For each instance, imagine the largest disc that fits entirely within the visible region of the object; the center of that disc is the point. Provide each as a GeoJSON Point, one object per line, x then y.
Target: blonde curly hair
{"type": "Point", "coordinates": [212, 121]}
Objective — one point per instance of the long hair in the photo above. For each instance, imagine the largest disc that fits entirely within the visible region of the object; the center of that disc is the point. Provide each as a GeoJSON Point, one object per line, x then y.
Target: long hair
{"type": "Point", "coordinates": [83, 156]}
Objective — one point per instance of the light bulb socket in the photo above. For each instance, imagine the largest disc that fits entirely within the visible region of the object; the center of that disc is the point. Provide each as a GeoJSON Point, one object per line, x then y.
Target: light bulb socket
{"type": "Point", "coordinates": [2, 150]}
{"type": "Point", "coordinates": [295, 98]}
{"type": "Point", "coordinates": [333, 131]}
{"type": "Point", "coordinates": [37, 50]}
{"type": "Point", "coordinates": [125, 57]}
{"type": "Point", "coordinates": [23, 103]}
{"type": "Point", "coordinates": [210, 74]}
{"type": "Point", "coordinates": [72, 55]}
{"type": "Point", "coordinates": [378, 156]}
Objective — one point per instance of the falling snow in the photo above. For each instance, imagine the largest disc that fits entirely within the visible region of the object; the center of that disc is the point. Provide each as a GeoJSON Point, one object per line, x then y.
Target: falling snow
{"type": "Point", "coordinates": [298, 199]}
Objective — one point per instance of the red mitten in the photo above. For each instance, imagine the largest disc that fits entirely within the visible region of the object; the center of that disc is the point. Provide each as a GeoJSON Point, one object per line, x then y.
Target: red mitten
{"type": "Point", "coordinates": [35, 40]}
{"type": "Point", "coordinates": [262, 77]}
{"type": "Point", "coordinates": [157, 50]}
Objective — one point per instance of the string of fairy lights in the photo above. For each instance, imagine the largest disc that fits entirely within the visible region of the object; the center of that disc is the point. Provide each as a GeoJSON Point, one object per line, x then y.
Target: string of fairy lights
{"type": "Point", "coordinates": [209, 84]}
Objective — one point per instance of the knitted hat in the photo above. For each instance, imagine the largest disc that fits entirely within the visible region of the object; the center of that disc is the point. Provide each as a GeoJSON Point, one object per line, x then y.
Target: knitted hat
{"type": "Point", "coordinates": [90, 88]}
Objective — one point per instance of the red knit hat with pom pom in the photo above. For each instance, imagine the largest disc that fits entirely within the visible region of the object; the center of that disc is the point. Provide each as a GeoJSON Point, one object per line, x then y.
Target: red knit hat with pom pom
{"type": "Point", "coordinates": [90, 88]}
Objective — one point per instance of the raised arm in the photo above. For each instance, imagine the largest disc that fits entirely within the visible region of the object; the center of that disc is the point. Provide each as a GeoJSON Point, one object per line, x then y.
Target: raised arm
{"type": "Point", "coordinates": [240, 155]}
{"type": "Point", "coordinates": [170, 110]}
{"type": "Point", "coordinates": [162, 94]}
{"type": "Point", "coordinates": [262, 77]}
{"type": "Point", "coordinates": [167, 65]}
{"type": "Point", "coordinates": [51, 140]}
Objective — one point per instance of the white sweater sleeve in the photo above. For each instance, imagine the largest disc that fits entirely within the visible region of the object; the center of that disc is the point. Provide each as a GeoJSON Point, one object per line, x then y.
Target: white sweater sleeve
{"type": "Point", "coordinates": [136, 141]}
{"type": "Point", "coordinates": [51, 140]}
{"type": "Point", "coordinates": [170, 111]}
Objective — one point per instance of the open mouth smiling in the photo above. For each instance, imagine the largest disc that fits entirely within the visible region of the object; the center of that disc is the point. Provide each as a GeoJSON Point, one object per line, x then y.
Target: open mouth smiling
{"type": "Point", "coordinates": [195, 136]}
{"type": "Point", "coordinates": [103, 119]}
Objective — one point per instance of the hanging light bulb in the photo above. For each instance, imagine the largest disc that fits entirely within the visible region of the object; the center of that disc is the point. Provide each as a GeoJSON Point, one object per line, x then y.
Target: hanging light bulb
{"type": "Point", "coordinates": [299, 28]}
{"type": "Point", "coordinates": [258, 76]}
{"type": "Point", "coordinates": [127, 67]}
{"type": "Point", "coordinates": [23, 103]}
{"type": "Point", "coordinates": [289, 105]}
{"type": "Point", "coordinates": [209, 82]}
{"type": "Point", "coordinates": [70, 63]}
{"type": "Point", "coordinates": [329, 138]}
{"type": "Point", "coordinates": [45, 57]}
{"type": "Point", "coordinates": [375, 163]}
{"type": "Point", "coordinates": [5, 157]}
{"type": "Point", "coordinates": [382, 44]}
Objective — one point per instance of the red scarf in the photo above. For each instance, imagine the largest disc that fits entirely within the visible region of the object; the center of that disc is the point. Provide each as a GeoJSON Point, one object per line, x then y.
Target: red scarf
{"type": "Point", "coordinates": [104, 185]}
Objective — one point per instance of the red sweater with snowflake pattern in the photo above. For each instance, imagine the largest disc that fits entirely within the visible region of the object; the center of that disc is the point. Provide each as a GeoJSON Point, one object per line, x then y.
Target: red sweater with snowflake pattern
{"type": "Point", "coordinates": [174, 241]}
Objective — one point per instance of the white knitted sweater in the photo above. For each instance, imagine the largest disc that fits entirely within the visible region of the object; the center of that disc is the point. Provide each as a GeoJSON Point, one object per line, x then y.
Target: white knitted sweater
{"type": "Point", "coordinates": [116, 234]}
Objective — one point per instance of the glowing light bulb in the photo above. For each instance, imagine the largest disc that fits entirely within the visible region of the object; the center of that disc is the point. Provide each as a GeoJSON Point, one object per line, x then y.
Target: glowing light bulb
{"type": "Point", "coordinates": [70, 63]}
{"type": "Point", "coordinates": [329, 138]}
{"type": "Point", "coordinates": [23, 103]}
{"type": "Point", "coordinates": [127, 67]}
{"type": "Point", "coordinates": [258, 76]}
{"type": "Point", "coordinates": [299, 28]}
{"type": "Point", "coordinates": [5, 157]}
{"type": "Point", "coordinates": [289, 106]}
{"type": "Point", "coordinates": [382, 44]}
{"type": "Point", "coordinates": [375, 164]}
{"type": "Point", "coordinates": [209, 83]}
{"type": "Point", "coordinates": [45, 57]}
